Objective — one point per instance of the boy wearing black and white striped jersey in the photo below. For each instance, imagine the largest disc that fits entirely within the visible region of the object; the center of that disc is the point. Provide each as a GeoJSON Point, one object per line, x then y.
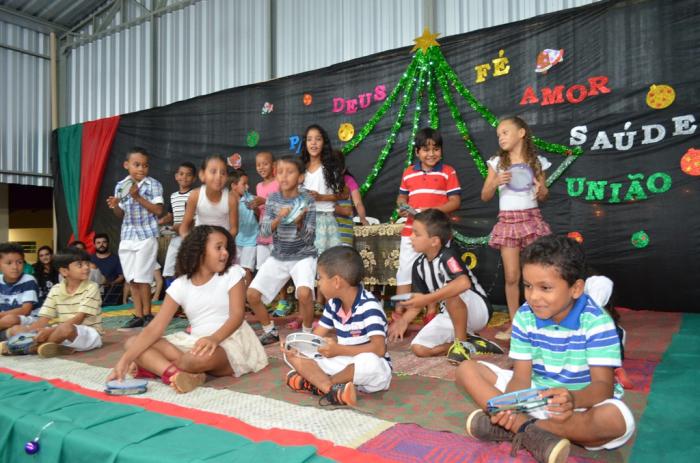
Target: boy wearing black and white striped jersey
{"type": "Point", "coordinates": [440, 276]}
{"type": "Point", "coordinates": [176, 211]}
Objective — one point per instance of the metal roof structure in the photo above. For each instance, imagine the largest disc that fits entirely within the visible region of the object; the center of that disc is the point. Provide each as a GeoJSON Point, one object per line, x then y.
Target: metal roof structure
{"type": "Point", "coordinates": [47, 15]}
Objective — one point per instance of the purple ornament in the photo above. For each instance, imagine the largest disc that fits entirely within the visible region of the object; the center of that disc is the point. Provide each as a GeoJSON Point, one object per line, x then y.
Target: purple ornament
{"type": "Point", "coordinates": [32, 447]}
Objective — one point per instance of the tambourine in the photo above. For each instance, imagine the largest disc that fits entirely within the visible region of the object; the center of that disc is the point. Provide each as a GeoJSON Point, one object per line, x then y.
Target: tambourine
{"type": "Point", "coordinates": [298, 207]}
{"type": "Point", "coordinates": [126, 387]}
{"type": "Point", "coordinates": [305, 344]}
{"type": "Point", "coordinates": [20, 344]}
{"type": "Point", "coordinates": [521, 401]}
{"type": "Point", "coordinates": [521, 178]}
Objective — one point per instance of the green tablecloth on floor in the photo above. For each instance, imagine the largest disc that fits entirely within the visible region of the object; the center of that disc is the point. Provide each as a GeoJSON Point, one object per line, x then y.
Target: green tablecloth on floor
{"type": "Point", "coordinates": [87, 430]}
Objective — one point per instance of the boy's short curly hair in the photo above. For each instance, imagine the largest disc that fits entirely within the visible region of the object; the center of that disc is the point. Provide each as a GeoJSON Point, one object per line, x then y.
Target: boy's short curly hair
{"type": "Point", "coordinates": [560, 252]}
{"type": "Point", "coordinates": [11, 248]}
{"type": "Point", "coordinates": [69, 255]}
{"type": "Point", "coordinates": [194, 246]}
{"type": "Point", "coordinates": [343, 261]}
{"type": "Point", "coordinates": [437, 223]}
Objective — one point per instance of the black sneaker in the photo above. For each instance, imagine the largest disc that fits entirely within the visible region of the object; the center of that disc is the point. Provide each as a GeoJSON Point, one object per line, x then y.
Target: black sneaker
{"type": "Point", "coordinates": [147, 319]}
{"type": "Point", "coordinates": [269, 337]}
{"type": "Point", "coordinates": [134, 322]}
{"type": "Point", "coordinates": [478, 345]}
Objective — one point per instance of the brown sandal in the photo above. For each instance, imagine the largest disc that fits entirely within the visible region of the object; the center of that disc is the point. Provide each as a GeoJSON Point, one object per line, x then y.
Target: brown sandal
{"type": "Point", "coordinates": [182, 381]}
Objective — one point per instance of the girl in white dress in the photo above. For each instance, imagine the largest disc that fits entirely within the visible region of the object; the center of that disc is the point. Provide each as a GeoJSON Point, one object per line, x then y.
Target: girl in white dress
{"type": "Point", "coordinates": [211, 291]}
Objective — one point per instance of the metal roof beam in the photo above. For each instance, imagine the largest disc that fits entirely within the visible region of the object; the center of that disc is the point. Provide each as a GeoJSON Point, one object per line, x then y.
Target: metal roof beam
{"type": "Point", "coordinates": [73, 39]}
{"type": "Point", "coordinates": [12, 16]}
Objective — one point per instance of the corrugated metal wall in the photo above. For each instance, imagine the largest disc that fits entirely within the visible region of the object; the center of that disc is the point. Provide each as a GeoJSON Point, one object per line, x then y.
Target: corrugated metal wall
{"type": "Point", "coordinates": [110, 76]}
{"type": "Point", "coordinates": [459, 16]}
{"type": "Point", "coordinates": [206, 47]}
{"type": "Point", "coordinates": [25, 118]}
{"type": "Point", "coordinates": [211, 46]}
{"type": "Point", "coordinates": [312, 34]}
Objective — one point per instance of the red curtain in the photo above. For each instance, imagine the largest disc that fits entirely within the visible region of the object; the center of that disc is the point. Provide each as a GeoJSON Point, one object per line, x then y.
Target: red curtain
{"type": "Point", "coordinates": [96, 147]}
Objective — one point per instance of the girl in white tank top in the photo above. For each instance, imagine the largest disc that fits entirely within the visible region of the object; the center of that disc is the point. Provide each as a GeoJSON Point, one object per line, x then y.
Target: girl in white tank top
{"type": "Point", "coordinates": [209, 213]}
{"type": "Point", "coordinates": [211, 204]}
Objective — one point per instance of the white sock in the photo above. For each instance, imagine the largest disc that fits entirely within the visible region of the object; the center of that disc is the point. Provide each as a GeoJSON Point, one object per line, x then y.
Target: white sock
{"type": "Point", "coordinates": [268, 328]}
{"type": "Point", "coordinates": [305, 329]}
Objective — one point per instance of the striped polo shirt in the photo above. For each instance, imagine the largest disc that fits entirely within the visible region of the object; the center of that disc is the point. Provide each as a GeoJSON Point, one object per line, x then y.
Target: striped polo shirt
{"type": "Point", "coordinates": [426, 189]}
{"type": "Point", "coordinates": [366, 319]}
{"type": "Point", "coordinates": [61, 306]}
{"type": "Point", "coordinates": [15, 295]}
{"type": "Point", "coordinates": [290, 242]}
{"type": "Point", "coordinates": [563, 353]}
{"type": "Point", "coordinates": [178, 201]}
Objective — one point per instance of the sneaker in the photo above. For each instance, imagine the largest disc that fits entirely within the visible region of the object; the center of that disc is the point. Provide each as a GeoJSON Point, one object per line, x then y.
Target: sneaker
{"type": "Point", "coordinates": [147, 319]}
{"type": "Point", "coordinates": [482, 345]}
{"type": "Point", "coordinates": [543, 445]}
{"type": "Point", "coordinates": [479, 426]}
{"type": "Point", "coordinates": [298, 383]}
{"type": "Point", "coordinates": [134, 322]}
{"type": "Point", "coordinates": [269, 337]}
{"type": "Point", "coordinates": [282, 309]}
{"type": "Point", "coordinates": [51, 349]}
{"type": "Point", "coordinates": [457, 353]}
{"type": "Point", "coordinates": [340, 394]}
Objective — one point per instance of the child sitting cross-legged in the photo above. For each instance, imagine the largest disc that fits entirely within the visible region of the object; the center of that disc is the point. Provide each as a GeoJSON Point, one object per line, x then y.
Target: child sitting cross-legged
{"type": "Point", "coordinates": [359, 358]}
{"type": "Point", "coordinates": [18, 290]}
{"type": "Point", "coordinates": [439, 276]}
{"type": "Point", "coordinates": [211, 291]}
{"type": "Point", "coordinates": [562, 342]}
{"type": "Point", "coordinates": [70, 319]}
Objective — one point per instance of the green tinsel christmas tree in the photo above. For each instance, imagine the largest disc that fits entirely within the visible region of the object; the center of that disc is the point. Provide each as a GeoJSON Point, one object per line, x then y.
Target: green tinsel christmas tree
{"type": "Point", "coordinates": [427, 67]}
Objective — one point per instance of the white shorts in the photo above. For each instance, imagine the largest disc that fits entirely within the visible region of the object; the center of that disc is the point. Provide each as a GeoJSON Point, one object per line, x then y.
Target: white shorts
{"type": "Point", "coordinates": [440, 329]}
{"type": "Point", "coordinates": [171, 256]}
{"type": "Point", "coordinates": [88, 338]}
{"type": "Point", "coordinates": [245, 256]}
{"type": "Point", "coordinates": [407, 256]}
{"type": "Point", "coordinates": [262, 252]}
{"type": "Point", "coordinates": [274, 274]}
{"type": "Point", "coordinates": [372, 373]}
{"type": "Point", "coordinates": [138, 259]}
{"type": "Point", "coordinates": [25, 320]}
{"type": "Point", "coordinates": [504, 376]}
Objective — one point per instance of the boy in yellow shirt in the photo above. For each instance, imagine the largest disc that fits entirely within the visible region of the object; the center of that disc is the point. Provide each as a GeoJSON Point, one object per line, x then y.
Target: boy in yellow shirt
{"type": "Point", "coordinates": [70, 319]}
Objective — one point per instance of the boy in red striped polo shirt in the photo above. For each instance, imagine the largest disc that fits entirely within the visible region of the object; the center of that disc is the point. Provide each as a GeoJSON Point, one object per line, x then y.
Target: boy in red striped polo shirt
{"type": "Point", "coordinates": [428, 184]}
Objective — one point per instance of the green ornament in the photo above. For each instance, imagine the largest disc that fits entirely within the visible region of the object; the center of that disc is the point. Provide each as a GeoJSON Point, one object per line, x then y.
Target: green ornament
{"type": "Point", "coordinates": [640, 239]}
{"type": "Point", "coordinates": [252, 139]}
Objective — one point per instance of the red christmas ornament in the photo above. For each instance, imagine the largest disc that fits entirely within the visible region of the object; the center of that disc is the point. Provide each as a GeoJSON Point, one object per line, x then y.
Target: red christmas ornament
{"type": "Point", "coordinates": [690, 162]}
{"type": "Point", "coordinates": [576, 236]}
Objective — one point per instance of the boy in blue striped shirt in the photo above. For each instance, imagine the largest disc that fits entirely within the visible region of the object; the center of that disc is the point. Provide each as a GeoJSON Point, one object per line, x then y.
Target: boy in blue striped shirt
{"type": "Point", "coordinates": [567, 345]}
{"type": "Point", "coordinates": [290, 218]}
{"type": "Point", "coordinates": [359, 358]}
{"type": "Point", "coordinates": [18, 291]}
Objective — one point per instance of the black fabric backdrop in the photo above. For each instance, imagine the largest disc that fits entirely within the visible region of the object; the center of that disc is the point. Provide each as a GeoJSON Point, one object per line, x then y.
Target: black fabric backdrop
{"type": "Point", "coordinates": [633, 43]}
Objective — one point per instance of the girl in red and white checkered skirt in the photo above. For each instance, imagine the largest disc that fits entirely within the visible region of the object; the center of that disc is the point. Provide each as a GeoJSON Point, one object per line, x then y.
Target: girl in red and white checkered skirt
{"type": "Point", "coordinates": [517, 172]}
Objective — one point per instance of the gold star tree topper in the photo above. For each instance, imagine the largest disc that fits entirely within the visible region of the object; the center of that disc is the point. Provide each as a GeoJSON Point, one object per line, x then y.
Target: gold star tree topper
{"type": "Point", "coordinates": [425, 41]}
